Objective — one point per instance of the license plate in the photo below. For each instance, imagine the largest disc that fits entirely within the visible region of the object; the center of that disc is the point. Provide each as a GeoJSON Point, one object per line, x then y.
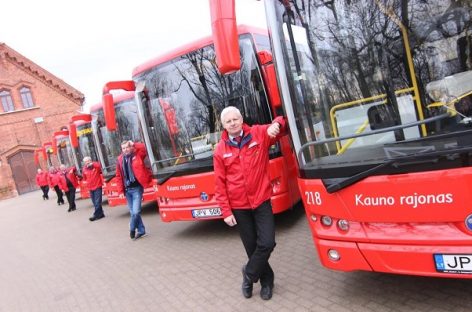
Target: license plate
{"type": "Point", "coordinates": [205, 213]}
{"type": "Point", "coordinates": [447, 263]}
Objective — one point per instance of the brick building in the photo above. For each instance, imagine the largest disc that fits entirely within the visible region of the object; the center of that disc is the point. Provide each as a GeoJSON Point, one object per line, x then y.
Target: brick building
{"type": "Point", "coordinates": [34, 105]}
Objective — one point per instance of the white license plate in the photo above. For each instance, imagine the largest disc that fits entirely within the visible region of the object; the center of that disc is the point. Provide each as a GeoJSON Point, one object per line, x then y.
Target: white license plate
{"type": "Point", "coordinates": [205, 213]}
{"type": "Point", "coordinates": [453, 263]}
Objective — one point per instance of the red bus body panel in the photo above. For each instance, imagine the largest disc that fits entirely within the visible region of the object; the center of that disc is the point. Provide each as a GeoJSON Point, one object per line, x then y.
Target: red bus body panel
{"type": "Point", "coordinates": [179, 196]}
{"type": "Point", "coordinates": [397, 222]}
{"type": "Point", "coordinates": [113, 196]}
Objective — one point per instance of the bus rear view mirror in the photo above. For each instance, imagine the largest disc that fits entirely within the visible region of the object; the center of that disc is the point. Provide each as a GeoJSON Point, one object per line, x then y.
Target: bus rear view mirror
{"type": "Point", "coordinates": [109, 111]}
{"type": "Point", "coordinates": [73, 135]}
{"type": "Point", "coordinates": [268, 69]}
{"type": "Point", "coordinates": [225, 35]}
{"type": "Point", "coordinates": [381, 116]}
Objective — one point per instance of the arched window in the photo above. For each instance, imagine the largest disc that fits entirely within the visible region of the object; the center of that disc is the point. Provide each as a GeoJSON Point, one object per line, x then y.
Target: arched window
{"type": "Point", "coordinates": [7, 102]}
{"type": "Point", "coordinates": [26, 97]}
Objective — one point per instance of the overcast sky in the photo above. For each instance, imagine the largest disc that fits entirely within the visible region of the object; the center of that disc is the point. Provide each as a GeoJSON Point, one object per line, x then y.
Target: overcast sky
{"type": "Point", "coordinates": [90, 42]}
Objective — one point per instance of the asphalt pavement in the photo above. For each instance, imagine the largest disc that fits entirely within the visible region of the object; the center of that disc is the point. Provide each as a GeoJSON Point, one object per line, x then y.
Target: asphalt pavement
{"type": "Point", "coordinates": [52, 260]}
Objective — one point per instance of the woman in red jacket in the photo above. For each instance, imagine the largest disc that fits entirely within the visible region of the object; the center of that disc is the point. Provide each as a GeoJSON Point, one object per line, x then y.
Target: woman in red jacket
{"type": "Point", "coordinates": [54, 183]}
{"type": "Point", "coordinates": [42, 180]}
{"type": "Point", "coordinates": [68, 182]}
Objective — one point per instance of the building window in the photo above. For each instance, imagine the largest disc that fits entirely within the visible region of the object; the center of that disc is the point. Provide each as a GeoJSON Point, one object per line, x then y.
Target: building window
{"type": "Point", "coordinates": [7, 101]}
{"type": "Point", "coordinates": [26, 97]}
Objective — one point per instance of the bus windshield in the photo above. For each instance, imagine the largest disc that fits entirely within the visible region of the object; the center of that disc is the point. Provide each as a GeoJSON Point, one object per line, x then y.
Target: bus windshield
{"type": "Point", "coordinates": [86, 144]}
{"type": "Point", "coordinates": [371, 80]}
{"type": "Point", "coordinates": [182, 101]}
{"type": "Point", "coordinates": [110, 142]}
{"type": "Point", "coordinates": [64, 152]}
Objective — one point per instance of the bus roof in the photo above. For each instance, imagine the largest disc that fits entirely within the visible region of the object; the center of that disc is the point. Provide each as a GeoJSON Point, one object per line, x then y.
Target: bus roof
{"type": "Point", "coordinates": [192, 46]}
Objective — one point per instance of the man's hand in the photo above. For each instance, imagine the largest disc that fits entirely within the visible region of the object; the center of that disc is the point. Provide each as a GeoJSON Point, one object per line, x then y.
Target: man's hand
{"type": "Point", "coordinates": [231, 220]}
{"type": "Point", "coordinates": [273, 129]}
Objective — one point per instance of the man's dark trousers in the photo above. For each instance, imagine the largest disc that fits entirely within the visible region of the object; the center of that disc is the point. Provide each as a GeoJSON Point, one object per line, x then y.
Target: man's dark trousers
{"type": "Point", "coordinates": [257, 231]}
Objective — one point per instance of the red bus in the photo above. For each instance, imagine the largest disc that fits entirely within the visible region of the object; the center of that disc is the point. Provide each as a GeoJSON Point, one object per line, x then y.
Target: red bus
{"type": "Point", "coordinates": [109, 142]}
{"type": "Point", "coordinates": [378, 96]}
{"type": "Point", "coordinates": [180, 96]}
{"type": "Point", "coordinates": [47, 146]}
{"type": "Point", "coordinates": [62, 148]}
{"type": "Point", "coordinates": [83, 144]}
{"type": "Point", "coordinates": [41, 158]}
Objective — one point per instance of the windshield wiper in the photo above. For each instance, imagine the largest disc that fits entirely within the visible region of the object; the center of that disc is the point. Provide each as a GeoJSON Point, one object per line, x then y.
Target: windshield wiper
{"type": "Point", "coordinates": [337, 184]}
{"type": "Point", "coordinates": [163, 180]}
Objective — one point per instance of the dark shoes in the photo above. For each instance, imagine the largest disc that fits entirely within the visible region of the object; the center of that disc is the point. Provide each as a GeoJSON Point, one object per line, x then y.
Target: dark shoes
{"type": "Point", "coordinates": [132, 234]}
{"type": "Point", "coordinates": [139, 235]}
{"type": "Point", "coordinates": [96, 218]}
{"type": "Point", "coordinates": [246, 287]}
{"type": "Point", "coordinates": [266, 292]}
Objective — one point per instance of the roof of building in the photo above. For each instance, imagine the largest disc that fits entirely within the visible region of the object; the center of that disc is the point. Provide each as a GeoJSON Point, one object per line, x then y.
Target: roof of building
{"type": "Point", "coordinates": [7, 53]}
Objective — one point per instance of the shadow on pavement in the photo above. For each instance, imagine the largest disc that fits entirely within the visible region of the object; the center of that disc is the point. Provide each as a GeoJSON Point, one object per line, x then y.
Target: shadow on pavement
{"type": "Point", "coordinates": [290, 218]}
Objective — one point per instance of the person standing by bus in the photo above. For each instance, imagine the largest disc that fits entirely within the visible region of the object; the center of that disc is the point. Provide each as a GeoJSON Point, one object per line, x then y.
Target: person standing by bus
{"type": "Point", "coordinates": [243, 191]}
{"type": "Point", "coordinates": [54, 183]}
{"type": "Point", "coordinates": [92, 174]}
{"type": "Point", "coordinates": [68, 182]}
{"type": "Point", "coordinates": [132, 177]}
{"type": "Point", "coordinates": [42, 180]}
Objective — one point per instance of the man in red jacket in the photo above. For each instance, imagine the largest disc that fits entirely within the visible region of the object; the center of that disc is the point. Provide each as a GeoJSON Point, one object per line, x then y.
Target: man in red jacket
{"type": "Point", "coordinates": [92, 174]}
{"type": "Point", "coordinates": [243, 191]}
{"type": "Point", "coordinates": [42, 180]}
{"type": "Point", "coordinates": [68, 182]}
{"type": "Point", "coordinates": [132, 177]}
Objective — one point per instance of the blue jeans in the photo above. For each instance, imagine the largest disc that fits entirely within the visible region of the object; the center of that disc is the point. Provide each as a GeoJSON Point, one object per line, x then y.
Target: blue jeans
{"type": "Point", "coordinates": [96, 196]}
{"type": "Point", "coordinates": [134, 196]}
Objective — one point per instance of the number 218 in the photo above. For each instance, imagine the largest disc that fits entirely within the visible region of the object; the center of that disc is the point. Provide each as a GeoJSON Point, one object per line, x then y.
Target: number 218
{"type": "Point", "coordinates": [313, 198]}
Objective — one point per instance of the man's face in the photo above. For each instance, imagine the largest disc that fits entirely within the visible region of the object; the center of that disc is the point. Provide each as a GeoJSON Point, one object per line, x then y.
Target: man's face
{"type": "Point", "coordinates": [88, 163]}
{"type": "Point", "coordinates": [233, 123]}
{"type": "Point", "coordinates": [127, 149]}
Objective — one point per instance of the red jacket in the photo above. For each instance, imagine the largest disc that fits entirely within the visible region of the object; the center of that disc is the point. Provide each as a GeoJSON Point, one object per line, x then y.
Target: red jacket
{"type": "Point", "coordinates": [42, 179]}
{"type": "Point", "coordinates": [93, 176]}
{"type": "Point", "coordinates": [141, 172]}
{"type": "Point", "coordinates": [242, 174]}
{"type": "Point", "coordinates": [71, 175]}
{"type": "Point", "coordinates": [53, 179]}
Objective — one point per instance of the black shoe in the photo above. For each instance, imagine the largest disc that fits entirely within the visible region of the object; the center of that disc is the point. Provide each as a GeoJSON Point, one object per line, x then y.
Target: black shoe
{"type": "Point", "coordinates": [132, 234]}
{"type": "Point", "coordinates": [69, 210]}
{"type": "Point", "coordinates": [246, 287]}
{"type": "Point", "coordinates": [266, 292]}
{"type": "Point", "coordinates": [96, 218]}
{"type": "Point", "coordinates": [73, 209]}
{"type": "Point", "coordinates": [140, 235]}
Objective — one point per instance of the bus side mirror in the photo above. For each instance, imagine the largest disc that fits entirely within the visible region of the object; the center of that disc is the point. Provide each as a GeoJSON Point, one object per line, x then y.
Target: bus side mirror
{"type": "Point", "coordinates": [36, 157]}
{"type": "Point", "coordinates": [270, 79]}
{"type": "Point", "coordinates": [225, 35]}
{"type": "Point", "coordinates": [54, 146]}
{"type": "Point", "coordinates": [73, 135]}
{"type": "Point", "coordinates": [109, 111]}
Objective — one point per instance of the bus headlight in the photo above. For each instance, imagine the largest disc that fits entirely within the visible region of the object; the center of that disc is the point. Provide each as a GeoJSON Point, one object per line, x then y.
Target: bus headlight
{"type": "Point", "coordinates": [326, 220]}
{"type": "Point", "coordinates": [343, 225]}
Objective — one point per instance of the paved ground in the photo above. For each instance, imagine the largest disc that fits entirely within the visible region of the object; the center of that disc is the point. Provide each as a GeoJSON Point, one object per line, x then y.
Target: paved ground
{"type": "Point", "coordinates": [52, 260]}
